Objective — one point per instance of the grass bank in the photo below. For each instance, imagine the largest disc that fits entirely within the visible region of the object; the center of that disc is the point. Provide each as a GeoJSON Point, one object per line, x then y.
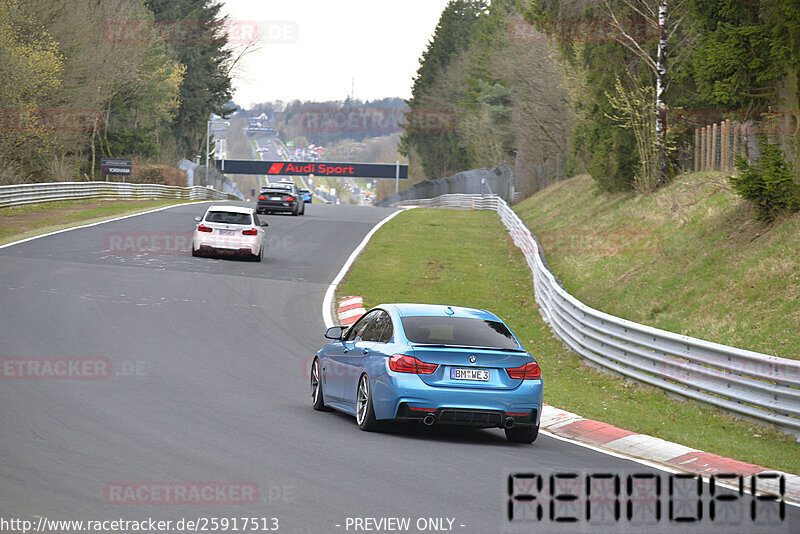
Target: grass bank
{"type": "Point", "coordinates": [36, 219]}
{"type": "Point", "coordinates": [689, 258]}
{"type": "Point", "coordinates": [466, 258]}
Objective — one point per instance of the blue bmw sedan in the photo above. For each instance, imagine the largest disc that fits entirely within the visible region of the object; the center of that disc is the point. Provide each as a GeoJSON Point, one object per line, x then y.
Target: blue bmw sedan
{"type": "Point", "coordinates": [430, 363]}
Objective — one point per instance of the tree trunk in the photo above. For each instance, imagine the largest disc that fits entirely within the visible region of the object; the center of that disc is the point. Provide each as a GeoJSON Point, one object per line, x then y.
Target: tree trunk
{"type": "Point", "coordinates": [94, 133]}
{"type": "Point", "coordinates": [661, 108]}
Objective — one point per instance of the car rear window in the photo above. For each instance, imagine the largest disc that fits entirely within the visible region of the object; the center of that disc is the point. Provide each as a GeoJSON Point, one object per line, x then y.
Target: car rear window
{"type": "Point", "coordinates": [229, 217]}
{"type": "Point", "coordinates": [465, 331]}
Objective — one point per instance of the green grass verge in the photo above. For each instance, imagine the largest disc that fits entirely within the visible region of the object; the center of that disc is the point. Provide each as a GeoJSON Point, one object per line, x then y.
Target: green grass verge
{"type": "Point", "coordinates": [689, 258]}
{"type": "Point", "coordinates": [466, 258]}
{"type": "Point", "coordinates": [53, 216]}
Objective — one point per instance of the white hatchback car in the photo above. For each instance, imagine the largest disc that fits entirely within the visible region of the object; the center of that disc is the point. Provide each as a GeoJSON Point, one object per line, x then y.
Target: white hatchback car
{"type": "Point", "coordinates": [230, 230]}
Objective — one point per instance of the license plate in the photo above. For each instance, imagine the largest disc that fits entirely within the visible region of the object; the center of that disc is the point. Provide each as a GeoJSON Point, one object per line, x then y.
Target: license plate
{"type": "Point", "coordinates": [227, 232]}
{"type": "Point", "coordinates": [481, 375]}
{"type": "Point", "coordinates": [276, 198]}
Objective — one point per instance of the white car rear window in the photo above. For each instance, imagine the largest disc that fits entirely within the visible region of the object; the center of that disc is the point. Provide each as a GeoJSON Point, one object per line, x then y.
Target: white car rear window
{"type": "Point", "coordinates": [229, 217]}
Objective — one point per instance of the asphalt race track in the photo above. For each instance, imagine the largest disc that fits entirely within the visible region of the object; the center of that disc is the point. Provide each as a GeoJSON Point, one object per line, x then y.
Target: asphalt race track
{"type": "Point", "coordinates": [208, 384]}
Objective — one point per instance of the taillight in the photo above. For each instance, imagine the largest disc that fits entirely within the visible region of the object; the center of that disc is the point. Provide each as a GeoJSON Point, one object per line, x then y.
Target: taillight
{"type": "Point", "coordinates": [529, 371]}
{"type": "Point", "coordinates": [290, 199]}
{"type": "Point", "coordinates": [251, 231]}
{"type": "Point", "coordinates": [262, 197]}
{"type": "Point", "coordinates": [204, 228]}
{"type": "Point", "coordinates": [403, 363]}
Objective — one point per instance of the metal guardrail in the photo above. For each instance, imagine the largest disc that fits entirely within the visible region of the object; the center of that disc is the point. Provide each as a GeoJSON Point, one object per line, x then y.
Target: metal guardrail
{"type": "Point", "coordinates": [759, 386]}
{"type": "Point", "coordinates": [196, 176]}
{"type": "Point", "coordinates": [18, 195]}
{"type": "Point", "coordinates": [499, 181]}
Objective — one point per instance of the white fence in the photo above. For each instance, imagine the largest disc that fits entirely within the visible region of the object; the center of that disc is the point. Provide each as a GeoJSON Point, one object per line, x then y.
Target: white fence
{"type": "Point", "coordinates": [17, 195]}
{"type": "Point", "coordinates": [748, 383]}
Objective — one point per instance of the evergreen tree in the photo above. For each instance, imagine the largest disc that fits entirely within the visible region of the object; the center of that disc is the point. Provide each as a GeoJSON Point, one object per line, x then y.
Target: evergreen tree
{"type": "Point", "coordinates": [206, 86]}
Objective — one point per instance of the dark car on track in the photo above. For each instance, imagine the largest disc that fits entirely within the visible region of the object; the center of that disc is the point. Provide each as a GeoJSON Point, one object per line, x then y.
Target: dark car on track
{"type": "Point", "coordinates": [280, 198]}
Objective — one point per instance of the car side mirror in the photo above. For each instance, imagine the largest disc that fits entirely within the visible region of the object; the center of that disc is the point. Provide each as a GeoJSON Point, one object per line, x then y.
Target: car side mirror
{"type": "Point", "coordinates": [198, 219]}
{"type": "Point", "coordinates": [263, 223]}
{"type": "Point", "coordinates": [335, 332]}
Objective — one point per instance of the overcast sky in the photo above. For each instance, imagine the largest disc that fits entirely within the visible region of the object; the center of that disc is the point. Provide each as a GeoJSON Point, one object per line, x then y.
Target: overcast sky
{"type": "Point", "coordinates": [313, 49]}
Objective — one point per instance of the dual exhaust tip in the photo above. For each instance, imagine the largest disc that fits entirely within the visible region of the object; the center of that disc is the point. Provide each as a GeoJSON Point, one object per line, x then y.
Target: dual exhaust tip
{"type": "Point", "coordinates": [430, 419]}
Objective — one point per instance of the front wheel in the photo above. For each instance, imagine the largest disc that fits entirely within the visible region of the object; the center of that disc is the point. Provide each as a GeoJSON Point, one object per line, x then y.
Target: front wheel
{"type": "Point", "coordinates": [365, 413]}
{"type": "Point", "coordinates": [522, 434]}
{"type": "Point", "coordinates": [316, 387]}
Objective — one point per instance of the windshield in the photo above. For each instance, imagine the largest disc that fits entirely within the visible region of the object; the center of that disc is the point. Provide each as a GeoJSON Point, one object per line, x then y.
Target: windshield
{"type": "Point", "coordinates": [463, 331]}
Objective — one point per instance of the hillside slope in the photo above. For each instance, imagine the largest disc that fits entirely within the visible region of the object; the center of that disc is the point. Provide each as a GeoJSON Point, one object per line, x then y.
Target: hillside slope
{"type": "Point", "coordinates": [690, 258]}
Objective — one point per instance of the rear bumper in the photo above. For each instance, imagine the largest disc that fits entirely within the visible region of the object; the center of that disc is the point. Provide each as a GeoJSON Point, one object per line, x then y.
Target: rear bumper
{"type": "Point", "coordinates": [468, 417]}
{"type": "Point", "coordinates": [276, 206]}
{"type": "Point", "coordinates": [213, 244]}
{"type": "Point", "coordinates": [405, 396]}
{"type": "Point", "coordinates": [206, 249]}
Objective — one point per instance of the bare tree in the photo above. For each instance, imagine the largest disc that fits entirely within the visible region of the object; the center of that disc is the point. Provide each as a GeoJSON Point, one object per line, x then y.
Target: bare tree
{"type": "Point", "coordinates": [543, 93]}
{"type": "Point", "coordinates": [665, 17]}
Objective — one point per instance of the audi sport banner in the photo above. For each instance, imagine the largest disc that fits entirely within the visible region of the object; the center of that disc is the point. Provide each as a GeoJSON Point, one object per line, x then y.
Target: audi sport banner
{"type": "Point", "coordinates": [317, 168]}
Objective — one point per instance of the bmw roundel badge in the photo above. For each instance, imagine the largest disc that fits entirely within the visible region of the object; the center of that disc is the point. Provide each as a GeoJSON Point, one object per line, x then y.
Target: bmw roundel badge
{"type": "Point", "coordinates": [473, 359]}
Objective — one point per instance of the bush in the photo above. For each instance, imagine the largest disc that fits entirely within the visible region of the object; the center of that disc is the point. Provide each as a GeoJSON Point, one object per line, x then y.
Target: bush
{"type": "Point", "coordinates": [769, 183]}
{"type": "Point", "coordinates": [158, 174]}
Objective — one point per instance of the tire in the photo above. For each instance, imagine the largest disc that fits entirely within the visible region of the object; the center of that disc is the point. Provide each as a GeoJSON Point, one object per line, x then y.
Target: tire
{"type": "Point", "coordinates": [522, 434]}
{"type": "Point", "coordinates": [303, 211]}
{"type": "Point", "coordinates": [365, 413]}
{"type": "Point", "coordinates": [317, 400]}
{"type": "Point", "coordinates": [296, 210]}
{"type": "Point", "coordinates": [260, 255]}
{"type": "Point", "coordinates": [195, 253]}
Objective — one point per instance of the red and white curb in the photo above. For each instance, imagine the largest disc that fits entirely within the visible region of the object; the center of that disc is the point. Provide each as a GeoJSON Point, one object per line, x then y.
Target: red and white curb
{"type": "Point", "coordinates": [350, 310]}
{"type": "Point", "coordinates": [672, 455]}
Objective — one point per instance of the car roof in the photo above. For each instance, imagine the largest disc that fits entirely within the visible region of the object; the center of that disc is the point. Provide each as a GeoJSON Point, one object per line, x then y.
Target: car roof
{"type": "Point", "coordinates": [433, 310]}
{"type": "Point", "coordinates": [235, 209]}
